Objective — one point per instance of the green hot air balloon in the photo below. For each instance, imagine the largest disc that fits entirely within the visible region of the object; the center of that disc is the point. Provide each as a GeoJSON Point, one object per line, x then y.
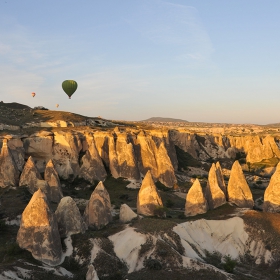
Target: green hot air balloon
{"type": "Point", "coordinates": [69, 86]}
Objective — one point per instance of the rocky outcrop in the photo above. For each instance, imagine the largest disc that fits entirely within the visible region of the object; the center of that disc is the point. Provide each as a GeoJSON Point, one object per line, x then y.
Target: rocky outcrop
{"type": "Point", "coordinates": [239, 192]}
{"type": "Point", "coordinates": [68, 217]}
{"type": "Point", "coordinates": [214, 195]}
{"type": "Point", "coordinates": [98, 210]}
{"type": "Point", "coordinates": [272, 193]}
{"type": "Point", "coordinates": [51, 177]}
{"type": "Point", "coordinates": [92, 168]}
{"type": "Point", "coordinates": [91, 273]}
{"type": "Point", "coordinates": [31, 178]}
{"type": "Point", "coordinates": [195, 200]}
{"type": "Point", "coordinates": [38, 232]}
{"type": "Point", "coordinates": [220, 178]}
{"type": "Point", "coordinates": [126, 214]}
{"type": "Point", "coordinates": [9, 174]}
{"type": "Point", "coordinates": [148, 199]}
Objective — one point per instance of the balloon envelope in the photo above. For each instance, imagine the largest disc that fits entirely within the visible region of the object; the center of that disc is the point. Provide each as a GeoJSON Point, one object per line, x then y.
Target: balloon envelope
{"type": "Point", "coordinates": [69, 86]}
{"type": "Point", "coordinates": [33, 94]}
{"type": "Point", "coordinates": [57, 105]}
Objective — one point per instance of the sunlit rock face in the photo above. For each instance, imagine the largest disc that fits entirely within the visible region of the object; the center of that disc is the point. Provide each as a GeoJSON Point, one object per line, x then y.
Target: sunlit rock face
{"type": "Point", "coordinates": [126, 213]}
{"type": "Point", "coordinates": [102, 146]}
{"type": "Point", "coordinates": [68, 217]}
{"type": "Point", "coordinates": [122, 157]}
{"type": "Point", "coordinates": [92, 168]}
{"type": "Point", "coordinates": [91, 273]}
{"type": "Point", "coordinates": [9, 174]}
{"type": "Point", "coordinates": [214, 195]}
{"type": "Point", "coordinates": [31, 178]}
{"type": "Point", "coordinates": [98, 210]}
{"type": "Point", "coordinates": [148, 198]}
{"type": "Point", "coordinates": [51, 177]}
{"type": "Point", "coordinates": [239, 192]}
{"type": "Point", "coordinates": [220, 178]}
{"type": "Point", "coordinates": [38, 232]}
{"type": "Point", "coordinates": [152, 155]}
{"type": "Point", "coordinates": [195, 200]}
{"type": "Point", "coordinates": [272, 193]}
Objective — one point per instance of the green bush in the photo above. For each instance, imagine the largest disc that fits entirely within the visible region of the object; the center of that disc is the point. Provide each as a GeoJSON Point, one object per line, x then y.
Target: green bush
{"type": "Point", "coordinates": [229, 264]}
{"type": "Point", "coordinates": [169, 203]}
{"type": "Point", "coordinates": [152, 264]}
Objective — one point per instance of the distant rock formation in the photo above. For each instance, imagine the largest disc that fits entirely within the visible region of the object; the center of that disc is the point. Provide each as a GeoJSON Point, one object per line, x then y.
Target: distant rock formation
{"type": "Point", "coordinates": [51, 177]}
{"type": "Point", "coordinates": [68, 217]}
{"type": "Point", "coordinates": [126, 213]}
{"type": "Point", "coordinates": [239, 192]}
{"type": "Point", "coordinates": [195, 201]}
{"type": "Point", "coordinates": [38, 232]}
{"type": "Point", "coordinates": [98, 210]}
{"type": "Point", "coordinates": [220, 177]}
{"type": "Point", "coordinates": [272, 193]}
{"type": "Point", "coordinates": [9, 174]}
{"type": "Point", "coordinates": [92, 168]}
{"type": "Point", "coordinates": [31, 178]}
{"type": "Point", "coordinates": [91, 273]}
{"type": "Point", "coordinates": [214, 195]}
{"type": "Point", "coordinates": [148, 198]}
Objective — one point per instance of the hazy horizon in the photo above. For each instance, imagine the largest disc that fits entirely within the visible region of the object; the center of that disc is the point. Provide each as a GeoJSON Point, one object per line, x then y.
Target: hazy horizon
{"type": "Point", "coordinates": [198, 61]}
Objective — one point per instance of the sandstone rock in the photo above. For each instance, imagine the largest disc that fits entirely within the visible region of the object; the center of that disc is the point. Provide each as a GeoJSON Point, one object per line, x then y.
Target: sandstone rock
{"type": "Point", "coordinates": [272, 193]}
{"type": "Point", "coordinates": [92, 168]}
{"type": "Point", "coordinates": [91, 273]}
{"type": "Point", "coordinates": [38, 232]}
{"type": "Point", "coordinates": [31, 178]}
{"type": "Point", "coordinates": [148, 198]}
{"type": "Point", "coordinates": [98, 210]}
{"type": "Point", "coordinates": [195, 201]}
{"type": "Point", "coordinates": [126, 213]}
{"type": "Point", "coordinates": [214, 195]}
{"type": "Point", "coordinates": [239, 192]}
{"type": "Point", "coordinates": [68, 217]}
{"type": "Point", "coordinates": [220, 177]}
{"type": "Point", "coordinates": [53, 181]}
{"type": "Point", "coordinates": [9, 174]}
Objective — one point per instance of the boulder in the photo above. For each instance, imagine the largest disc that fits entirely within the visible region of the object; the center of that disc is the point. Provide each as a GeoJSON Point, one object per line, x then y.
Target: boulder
{"type": "Point", "coordinates": [31, 178]}
{"type": "Point", "coordinates": [38, 232]}
{"type": "Point", "coordinates": [148, 199]}
{"type": "Point", "coordinates": [214, 195]}
{"type": "Point", "coordinates": [68, 217]}
{"type": "Point", "coordinates": [51, 177]}
{"type": "Point", "coordinates": [91, 273]}
{"type": "Point", "coordinates": [239, 192]}
{"type": "Point", "coordinates": [98, 210]}
{"type": "Point", "coordinates": [92, 168]}
{"type": "Point", "coordinates": [9, 173]}
{"type": "Point", "coordinates": [126, 214]}
{"type": "Point", "coordinates": [272, 193]}
{"type": "Point", "coordinates": [196, 202]}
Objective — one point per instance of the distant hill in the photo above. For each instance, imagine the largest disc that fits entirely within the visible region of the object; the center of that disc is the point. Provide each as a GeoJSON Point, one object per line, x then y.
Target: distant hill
{"type": "Point", "coordinates": [159, 119]}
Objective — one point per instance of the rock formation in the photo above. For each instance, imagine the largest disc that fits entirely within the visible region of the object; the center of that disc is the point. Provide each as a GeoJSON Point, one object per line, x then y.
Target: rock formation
{"type": "Point", "coordinates": [51, 177]}
{"type": "Point", "coordinates": [31, 178]}
{"type": "Point", "coordinates": [68, 217]}
{"type": "Point", "coordinates": [98, 210]}
{"type": "Point", "coordinates": [195, 201]}
{"type": "Point", "coordinates": [38, 232]}
{"type": "Point", "coordinates": [220, 178]}
{"type": "Point", "coordinates": [126, 213]}
{"type": "Point", "coordinates": [239, 192]}
{"type": "Point", "coordinates": [91, 273]}
{"type": "Point", "coordinates": [272, 193]}
{"type": "Point", "coordinates": [214, 195]}
{"type": "Point", "coordinates": [148, 199]}
{"type": "Point", "coordinates": [9, 174]}
{"type": "Point", "coordinates": [92, 168]}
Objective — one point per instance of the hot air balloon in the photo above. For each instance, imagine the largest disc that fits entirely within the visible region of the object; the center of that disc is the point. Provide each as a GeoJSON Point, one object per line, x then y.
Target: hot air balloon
{"type": "Point", "coordinates": [33, 94]}
{"type": "Point", "coordinates": [57, 105]}
{"type": "Point", "coordinates": [69, 86]}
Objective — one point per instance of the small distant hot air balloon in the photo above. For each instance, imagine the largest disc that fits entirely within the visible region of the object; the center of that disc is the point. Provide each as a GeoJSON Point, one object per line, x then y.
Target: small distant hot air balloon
{"type": "Point", "coordinates": [33, 94]}
{"type": "Point", "coordinates": [57, 105]}
{"type": "Point", "coordinates": [69, 86]}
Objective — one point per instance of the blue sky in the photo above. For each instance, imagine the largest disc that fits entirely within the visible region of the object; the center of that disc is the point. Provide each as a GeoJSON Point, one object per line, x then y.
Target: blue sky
{"type": "Point", "coordinates": [200, 60]}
